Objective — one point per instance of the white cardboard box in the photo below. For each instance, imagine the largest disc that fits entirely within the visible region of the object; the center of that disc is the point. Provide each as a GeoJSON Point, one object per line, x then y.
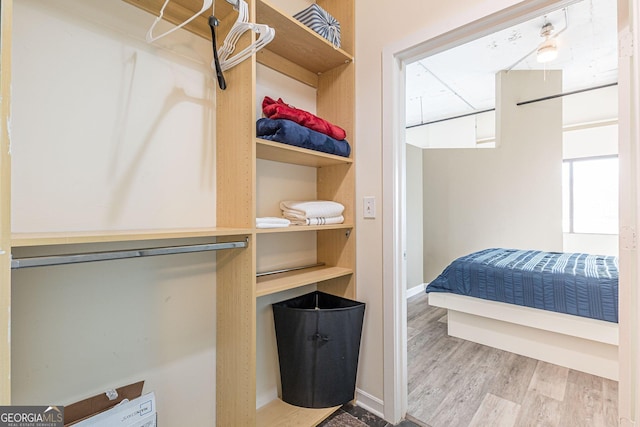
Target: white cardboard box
{"type": "Point", "coordinates": [139, 412]}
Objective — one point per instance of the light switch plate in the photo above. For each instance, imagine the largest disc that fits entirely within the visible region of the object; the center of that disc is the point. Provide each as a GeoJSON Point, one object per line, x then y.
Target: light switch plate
{"type": "Point", "coordinates": [369, 207]}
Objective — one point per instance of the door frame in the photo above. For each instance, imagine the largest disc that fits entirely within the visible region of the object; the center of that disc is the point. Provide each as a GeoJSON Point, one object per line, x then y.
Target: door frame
{"type": "Point", "coordinates": [444, 35]}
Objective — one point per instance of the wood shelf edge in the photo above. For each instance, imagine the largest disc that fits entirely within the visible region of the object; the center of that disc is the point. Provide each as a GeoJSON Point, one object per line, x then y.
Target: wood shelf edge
{"type": "Point", "coordinates": [280, 152]}
{"type": "Point", "coordinates": [287, 67]}
{"type": "Point", "coordinates": [302, 228]}
{"type": "Point", "coordinates": [267, 285]}
{"type": "Point", "coordinates": [80, 237]}
{"type": "Point", "coordinates": [281, 414]}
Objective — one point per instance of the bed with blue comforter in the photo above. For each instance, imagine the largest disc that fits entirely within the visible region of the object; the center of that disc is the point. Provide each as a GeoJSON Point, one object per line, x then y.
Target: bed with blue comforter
{"type": "Point", "coordinates": [573, 283]}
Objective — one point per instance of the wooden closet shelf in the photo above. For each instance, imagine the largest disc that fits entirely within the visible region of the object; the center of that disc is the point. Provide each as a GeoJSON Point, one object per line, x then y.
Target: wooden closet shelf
{"type": "Point", "coordinates": [296, 50]}
{"type": "Point", "coordinates": [266, 285]}
{"type": "Point", "coordinates": [299, 44]}
{"type": "Point", "coordinates": [298, 228]}
{"type": "Point", "coordinates": [179, 11]}
{"type": "Point", "coordinates": [79, 237]}
{"type": "Point", "coordinates": [279, 152]}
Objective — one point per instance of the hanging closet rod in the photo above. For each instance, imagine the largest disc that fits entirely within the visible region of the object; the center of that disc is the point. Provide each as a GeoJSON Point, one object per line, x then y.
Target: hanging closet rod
{"type": "Point", "coordinates": [451, 118]}
{"type": "Point", "coordinates": [531, 101]}
{"type": "Point", "coordinates": [559, 95]}
{"type": "Point", "coordinates": [111, 255]}
{"type": "Point", "coordinates": [285, 270]}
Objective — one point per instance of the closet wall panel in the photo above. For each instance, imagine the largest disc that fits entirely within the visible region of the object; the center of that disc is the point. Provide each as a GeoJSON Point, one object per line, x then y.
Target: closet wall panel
{"type": "Point", "coordinates": [78, 330]}
{"type": "Point", "coordinates": [112, 133]}
{"type": "Point", "coordinates": [6, 13]}
{"type": "Point", "coordinates": [109, 131]}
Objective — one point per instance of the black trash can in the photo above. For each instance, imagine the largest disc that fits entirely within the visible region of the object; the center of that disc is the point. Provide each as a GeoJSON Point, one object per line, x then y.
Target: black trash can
{"type": "Point", "coordinates": [318, 338]}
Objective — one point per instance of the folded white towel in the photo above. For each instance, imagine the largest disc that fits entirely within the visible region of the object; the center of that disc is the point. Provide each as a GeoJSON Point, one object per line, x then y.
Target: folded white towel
{"type": "Point", "coordinates": [319, 221]}
{"type": "Point", "coordinates": [267, 225]}
{"type": "Point", "coordinates": [311, 209]}
{"type": "Point", "coordinates": [272, 222]}
{"type": "Point", "coordinates": [294, 216]}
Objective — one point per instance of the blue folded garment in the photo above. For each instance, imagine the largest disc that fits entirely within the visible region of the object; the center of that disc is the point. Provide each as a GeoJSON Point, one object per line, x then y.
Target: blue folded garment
{"type": "Point", "coordinates": [291, 133]}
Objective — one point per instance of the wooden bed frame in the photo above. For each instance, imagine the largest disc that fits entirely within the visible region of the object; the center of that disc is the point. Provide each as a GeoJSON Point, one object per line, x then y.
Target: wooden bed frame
{"type": "Point", "coordinates": [579, 343]}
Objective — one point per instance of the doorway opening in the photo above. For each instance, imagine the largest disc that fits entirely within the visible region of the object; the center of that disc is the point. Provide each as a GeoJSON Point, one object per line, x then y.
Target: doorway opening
{"type": "Point", "coordinates": [399, 56]}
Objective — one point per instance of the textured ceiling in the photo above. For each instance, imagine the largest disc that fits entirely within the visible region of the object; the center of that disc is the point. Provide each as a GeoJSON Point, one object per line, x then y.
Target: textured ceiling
{"type": "Point", "coordinates": [461, 80]}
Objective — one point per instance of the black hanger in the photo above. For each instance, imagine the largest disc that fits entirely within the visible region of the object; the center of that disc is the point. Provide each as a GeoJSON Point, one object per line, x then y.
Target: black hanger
{"type": "Point", "coordinates": [213, 22]}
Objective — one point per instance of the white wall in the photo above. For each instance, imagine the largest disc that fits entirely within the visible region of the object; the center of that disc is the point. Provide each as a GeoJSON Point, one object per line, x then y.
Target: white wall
{"type": "Point", "coordinates": [79, 330]}
{"type": "Point", "coordinates": [108, 129]}
{"type": "Point", "coordinates": [418, 20]}
{"type": "Point", "coordinates": [457, 133]}
{"type": "Point", "coordinates": [591, 106]}
{"type": "Point", "coordinates": [508, 196]}
{"type": "Point", "coordinates": [110, 132]}
{"type": "Point", "coordinates": [415, 268]}
{"type": "Point", "coordinates": [477, 131]}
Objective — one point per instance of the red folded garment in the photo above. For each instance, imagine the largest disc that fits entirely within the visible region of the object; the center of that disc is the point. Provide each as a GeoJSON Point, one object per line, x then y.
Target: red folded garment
{"type": "Point", "coordinates": [279, 110]}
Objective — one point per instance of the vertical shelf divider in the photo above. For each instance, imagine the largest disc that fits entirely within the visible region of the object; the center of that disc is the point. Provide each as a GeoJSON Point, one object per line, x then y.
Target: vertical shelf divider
{"type": "Point", "coordinates": [236, 269]}
{"type": "Point", "coordinates": [336, 103]}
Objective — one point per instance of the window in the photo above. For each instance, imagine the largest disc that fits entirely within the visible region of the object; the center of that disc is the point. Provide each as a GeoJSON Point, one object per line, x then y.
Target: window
{"type": "Point", "coordinates": [590, 195]}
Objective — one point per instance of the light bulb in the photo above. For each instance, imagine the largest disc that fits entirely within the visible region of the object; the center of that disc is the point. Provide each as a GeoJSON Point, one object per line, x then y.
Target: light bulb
{"type": "Point", "coordinates": [547, 51]}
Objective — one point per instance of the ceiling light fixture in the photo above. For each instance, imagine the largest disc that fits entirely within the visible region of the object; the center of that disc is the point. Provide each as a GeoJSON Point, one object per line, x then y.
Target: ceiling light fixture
{"type": "Point", "coordinates": [548, 50]}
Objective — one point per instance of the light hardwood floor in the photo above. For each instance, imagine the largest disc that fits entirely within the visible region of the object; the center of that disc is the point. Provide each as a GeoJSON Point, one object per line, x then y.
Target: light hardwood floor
{"type": "Point", "coordinates": [457, 383]}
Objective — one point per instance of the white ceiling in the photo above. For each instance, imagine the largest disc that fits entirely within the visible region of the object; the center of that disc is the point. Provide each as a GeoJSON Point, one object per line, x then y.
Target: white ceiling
{"type": "Point", "coordinates": [461, 80]}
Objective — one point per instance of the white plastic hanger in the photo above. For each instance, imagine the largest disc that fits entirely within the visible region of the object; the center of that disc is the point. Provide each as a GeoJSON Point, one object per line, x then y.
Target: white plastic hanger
{"type": "Point", "coordinates": [242, 24]}
{"type": "Point", "coordinates": [206, 4]}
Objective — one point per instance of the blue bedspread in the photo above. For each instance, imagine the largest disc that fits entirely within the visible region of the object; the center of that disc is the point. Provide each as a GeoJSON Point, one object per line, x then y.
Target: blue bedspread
{"type": "Point", "coordinates": [573, 283]}
{"type": "Point", "coordinates": [289, 132]}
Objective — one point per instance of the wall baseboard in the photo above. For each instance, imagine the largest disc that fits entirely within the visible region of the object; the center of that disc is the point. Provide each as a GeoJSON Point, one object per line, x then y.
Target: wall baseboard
{"type": "Point", "coordinates": [370, 403]}
{"type": "Point", "coordinates": [416, 290]}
